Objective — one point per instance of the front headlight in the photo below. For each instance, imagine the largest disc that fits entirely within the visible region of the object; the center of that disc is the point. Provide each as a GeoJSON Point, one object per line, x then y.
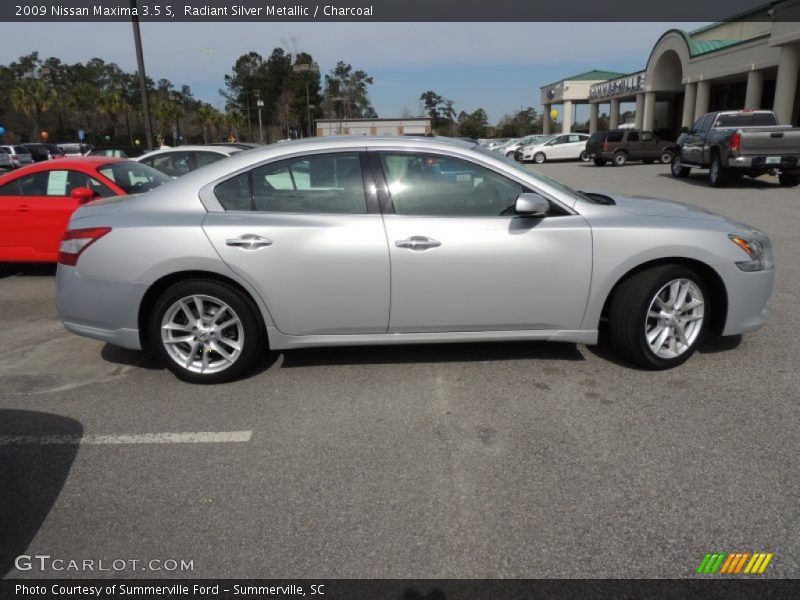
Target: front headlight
{"type": "Point", "coordinates": [757, 251]}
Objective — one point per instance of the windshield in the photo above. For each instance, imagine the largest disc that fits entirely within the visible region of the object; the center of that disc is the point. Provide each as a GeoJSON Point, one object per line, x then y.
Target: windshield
{"type": "Point", "coordinates": [515, 166]}
{"type": "Point", "coordinates": [133, 177]}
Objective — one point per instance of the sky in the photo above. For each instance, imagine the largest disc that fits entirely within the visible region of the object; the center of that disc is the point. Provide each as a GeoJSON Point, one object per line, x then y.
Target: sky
{"type": "Point", "coordinates": [495, 66]}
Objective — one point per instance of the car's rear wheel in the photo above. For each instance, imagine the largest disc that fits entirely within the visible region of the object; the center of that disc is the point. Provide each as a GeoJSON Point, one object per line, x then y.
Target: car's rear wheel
{"type": "Point", "coordinates": [539, 158]}
{"type": "Point", "coordinates": [789, 179]}
{"type": "Point", "coordinates": [600, 162]}
{"type": "Point", "coordinates": [584, 156]}
{"type": "Point", "coordinates": [718, 175]}
{"type": "Point", "coordinates": [676, 168]}
{"type": "Point", "coordinates": [666, 157]}
{"type": "Point", "coordinates": [620, 158]}
{"type": "Point", "coordinates": [205, 331]}
{"type": "Point", "coordinates": [658, 317]}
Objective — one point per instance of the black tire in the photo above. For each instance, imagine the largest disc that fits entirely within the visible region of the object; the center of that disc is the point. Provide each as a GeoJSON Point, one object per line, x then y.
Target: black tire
{"type": "Point", "coordinates": [718, 174]}
{"type": "Point", "coordinates": [666, 157]}
{"type": "Point", "coordinates": [676, 167]}
{"type": "Point", "coordinates": [628, 315]}
{"type": "Point", "coordinates": [600, 162]}
{"type": "Point", "coordinates": [584, 157]}
{"type": "Point", "coordinates": [789, 179]}
{"type": "Point", "coordinates": [252, 332]}
{"type": "Point", "coordinates": [619, 159]}
{"type": "Point", "coordinates": [539, 158]}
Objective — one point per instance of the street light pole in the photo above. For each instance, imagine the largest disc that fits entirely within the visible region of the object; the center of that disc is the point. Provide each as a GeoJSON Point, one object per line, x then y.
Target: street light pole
{"type": "Point", "coordinates": [137, 39]}
{"type": "Point", "coordinates": [307, 68]}
{"type": "Point", "coordinates": [259, 103]}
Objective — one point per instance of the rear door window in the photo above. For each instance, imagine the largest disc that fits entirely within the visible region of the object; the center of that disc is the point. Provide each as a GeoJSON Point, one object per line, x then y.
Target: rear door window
{"type": "Point", "coordinates": [615, 136]}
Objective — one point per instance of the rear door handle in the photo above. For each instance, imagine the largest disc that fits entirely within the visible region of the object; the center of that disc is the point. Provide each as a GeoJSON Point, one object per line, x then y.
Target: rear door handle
{"type": "Point", "coordinates": [249, 241]}
{"type": "Point", "coordinates": [418, 242]}
{"type": "Point", "coordinates": [23, 208]}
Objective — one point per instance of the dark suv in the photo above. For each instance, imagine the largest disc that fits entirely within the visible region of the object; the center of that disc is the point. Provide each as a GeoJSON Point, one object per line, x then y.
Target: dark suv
{"type": "Point", "coordinates": [621, 145]}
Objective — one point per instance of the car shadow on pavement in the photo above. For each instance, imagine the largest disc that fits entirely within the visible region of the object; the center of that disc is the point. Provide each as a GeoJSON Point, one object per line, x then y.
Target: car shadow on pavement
{"type": "Point", "coordinates": [27, 270]}
{"type": "Point", "coordinates": [31, 476]}
{"type": "Point", "coordinates": [741, 183]}
{"type": "Point", "coordinates": [431, 353]}
{"type": "Point", "coordinates": [713, 344]}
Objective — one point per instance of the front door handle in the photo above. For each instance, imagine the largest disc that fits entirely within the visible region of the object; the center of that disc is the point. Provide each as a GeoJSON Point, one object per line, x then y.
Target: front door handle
{"type": "Point", "coordinates": [418, 242]}
{"type": "Point", "coordinates": [23, 208]}
{"type": "Point", "coordinates": [249, 241]}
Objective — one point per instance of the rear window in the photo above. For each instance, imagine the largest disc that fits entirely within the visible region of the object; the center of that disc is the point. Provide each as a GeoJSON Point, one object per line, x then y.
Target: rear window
{"type": "Point", "coordinates": [133, 177]}
{"type": "Point", "coordinates": [746, 120]}
{"type": "Point", "coordinates": [21, 150]}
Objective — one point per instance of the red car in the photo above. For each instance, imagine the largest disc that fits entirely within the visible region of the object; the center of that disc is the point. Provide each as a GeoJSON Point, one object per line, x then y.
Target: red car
{"type": "Point", "coordinates": [36, 201]}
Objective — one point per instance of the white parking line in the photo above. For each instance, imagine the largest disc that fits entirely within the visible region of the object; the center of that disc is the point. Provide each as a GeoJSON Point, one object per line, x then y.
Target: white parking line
{"type": "Point", "coordinates": [200, 437]}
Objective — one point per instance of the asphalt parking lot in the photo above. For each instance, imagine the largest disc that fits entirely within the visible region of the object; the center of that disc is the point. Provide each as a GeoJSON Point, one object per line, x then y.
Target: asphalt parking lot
{"type": "Point", "coordinates": [492, 460]}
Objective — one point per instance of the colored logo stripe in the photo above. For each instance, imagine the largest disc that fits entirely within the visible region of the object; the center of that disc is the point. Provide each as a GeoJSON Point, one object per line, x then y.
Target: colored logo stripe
{"type": "Point", "coordinates": [732, 563]}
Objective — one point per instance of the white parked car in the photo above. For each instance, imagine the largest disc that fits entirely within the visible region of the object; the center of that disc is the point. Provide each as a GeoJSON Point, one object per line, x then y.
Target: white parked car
{"type": "Point", "coordinates": [515, 150]}
{"type": "Point", "coordinates": [184, 159]}
{"type": "Point", "coordinates": [567, 146]}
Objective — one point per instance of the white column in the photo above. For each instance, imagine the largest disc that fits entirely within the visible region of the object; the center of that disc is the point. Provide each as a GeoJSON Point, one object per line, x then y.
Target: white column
{"type": "Point", "coordinates": [702, 99]}
{"type": "Point", "coordinates": [689, 98]}
{"type": "Point", "coordinates": [649, 116]}
{"type": "Point", "coordinates": [594, 111]}
{"type": "Point", "coordinates": [546, 119]}
{"type": "Point", "coordinates": [613, 114]}
{"type": "Point", "coordinates": [786, 84]}
{"type": "Point", "coordinates": [566, 118]}
{"type": "Point", "coordinates": [639, 116]}
{"type": "Point", "coordinates": [755, 86]}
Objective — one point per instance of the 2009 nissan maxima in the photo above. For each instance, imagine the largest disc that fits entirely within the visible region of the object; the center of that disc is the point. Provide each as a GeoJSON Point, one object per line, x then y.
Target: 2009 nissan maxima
{"type": "Point", "coordinates": [350, 241]}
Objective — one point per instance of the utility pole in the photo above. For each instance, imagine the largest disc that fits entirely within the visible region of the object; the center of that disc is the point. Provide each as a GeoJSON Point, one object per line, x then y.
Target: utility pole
{"type": "Point", "coordinates": [260, 104]}
{"type": "Point", "coordinates": [137, 39]}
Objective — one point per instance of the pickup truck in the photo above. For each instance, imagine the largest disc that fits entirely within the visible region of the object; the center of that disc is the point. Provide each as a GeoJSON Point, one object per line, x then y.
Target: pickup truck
{"type": "Point", "coordinates": [733, 143]}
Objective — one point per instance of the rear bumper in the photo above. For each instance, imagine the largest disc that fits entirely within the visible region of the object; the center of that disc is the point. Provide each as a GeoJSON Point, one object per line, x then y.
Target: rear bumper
{"type": "Point", "coordinates": [788, 164]}
{"type": "Point", "coordinates": [100, 309]}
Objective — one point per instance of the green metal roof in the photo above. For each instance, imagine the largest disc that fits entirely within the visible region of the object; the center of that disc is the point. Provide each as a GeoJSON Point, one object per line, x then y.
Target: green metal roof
{"type": "Point", "coordinates": [698, 47]}
{"type": "Point", "coordinates": [593, 75]}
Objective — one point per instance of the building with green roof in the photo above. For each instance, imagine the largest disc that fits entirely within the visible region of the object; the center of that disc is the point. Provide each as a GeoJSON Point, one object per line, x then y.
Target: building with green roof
{"type": "Point", "coordinates": [749, 61]}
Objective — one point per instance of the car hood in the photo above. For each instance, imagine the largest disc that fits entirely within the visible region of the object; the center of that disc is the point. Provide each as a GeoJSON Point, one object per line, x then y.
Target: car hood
{"type": "Point", "coordinates": [657, 207]}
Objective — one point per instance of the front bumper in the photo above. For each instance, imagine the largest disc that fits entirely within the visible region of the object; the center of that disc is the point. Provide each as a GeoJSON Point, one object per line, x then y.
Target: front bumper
{"type": "Point", "coordinates": [748, 296]}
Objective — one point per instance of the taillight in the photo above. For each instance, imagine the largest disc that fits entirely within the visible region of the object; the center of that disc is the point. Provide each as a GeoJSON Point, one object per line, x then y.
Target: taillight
{"type": "Point", "coordinates": [735, 142]}
{"type": "Point", "coordinates": [605, 146]}
{"type": "Point", "coordinates": [75, 241]}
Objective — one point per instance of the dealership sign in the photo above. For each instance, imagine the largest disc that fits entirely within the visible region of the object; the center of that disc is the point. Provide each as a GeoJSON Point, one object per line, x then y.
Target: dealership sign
{"type": "Point", "coordinates": [629, 83]}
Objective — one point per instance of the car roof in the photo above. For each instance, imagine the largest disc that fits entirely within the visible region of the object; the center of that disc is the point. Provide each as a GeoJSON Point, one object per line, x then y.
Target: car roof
{"type": "Point", "coordinates": [91, 162]}
{"type": "Point", "coordinates": [197, 148]}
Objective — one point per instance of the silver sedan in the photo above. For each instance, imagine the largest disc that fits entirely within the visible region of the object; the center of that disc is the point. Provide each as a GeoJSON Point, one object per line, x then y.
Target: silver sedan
{"type": "Point", "coordinates": [357, 241]}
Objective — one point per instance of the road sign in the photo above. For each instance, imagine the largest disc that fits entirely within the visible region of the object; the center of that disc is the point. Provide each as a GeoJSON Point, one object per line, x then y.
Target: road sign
{"type": "Point", "coordinates": [81, 134]}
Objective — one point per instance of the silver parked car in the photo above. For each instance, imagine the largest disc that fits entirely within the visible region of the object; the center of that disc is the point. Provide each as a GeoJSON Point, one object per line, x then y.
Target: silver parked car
{"type": "Point", "coordinates": [351, 241]}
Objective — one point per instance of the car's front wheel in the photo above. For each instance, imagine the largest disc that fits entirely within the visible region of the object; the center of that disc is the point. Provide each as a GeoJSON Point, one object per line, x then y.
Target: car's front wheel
{"type": "Point", "coordinates": [205, 331]}
{"type": "Point", "coordinates": [789, 179]}
{"type": "Point", "coordinates": [659, 316]}
{"type": "Point", "coordinates": [666, 157]}
{"type": "Point", "coordinates": [539, 158]}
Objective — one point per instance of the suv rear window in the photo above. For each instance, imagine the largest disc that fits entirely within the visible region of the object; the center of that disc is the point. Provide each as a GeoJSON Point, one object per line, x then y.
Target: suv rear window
{"type": "Point", "coordinates": [598, 136]}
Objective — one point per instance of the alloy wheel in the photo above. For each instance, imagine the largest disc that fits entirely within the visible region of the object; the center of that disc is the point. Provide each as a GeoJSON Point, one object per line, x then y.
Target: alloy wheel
{"type": "Point", "coordinates": [675, 318]}
{"type": "Point", "coordinates": [202, 334]}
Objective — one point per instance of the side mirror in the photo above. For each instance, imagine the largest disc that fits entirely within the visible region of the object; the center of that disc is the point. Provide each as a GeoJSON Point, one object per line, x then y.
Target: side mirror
{"type": "Point", "coordinates": [83, 195]}
{"type": "Point", "coordinates": [529, 204]}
